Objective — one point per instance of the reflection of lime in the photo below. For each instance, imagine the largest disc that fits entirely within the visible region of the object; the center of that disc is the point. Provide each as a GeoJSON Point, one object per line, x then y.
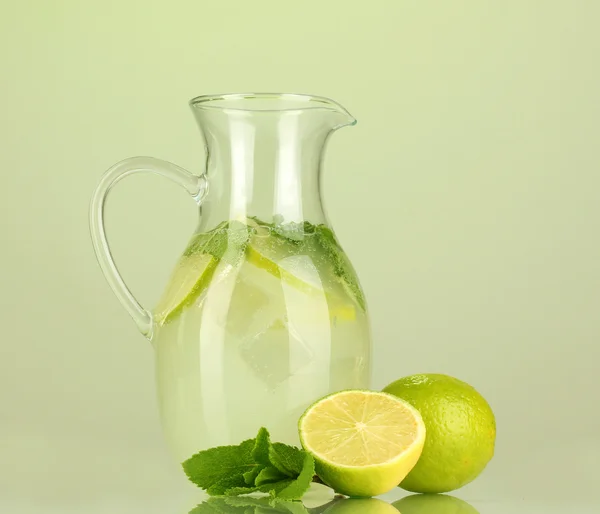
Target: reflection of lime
{"type": "Point", "coordinates": [433, 504]}
{"type": "Point", "coordinates": [461, 431]}
{"type": "Point", "coordinates": [364, 443]}
{"type": "Point", "coordinates": [191, 275]}
{"type": "Point", "coordinates": [361, 506]}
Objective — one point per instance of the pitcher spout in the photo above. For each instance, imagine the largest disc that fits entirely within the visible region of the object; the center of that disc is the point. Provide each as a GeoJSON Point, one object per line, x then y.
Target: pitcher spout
{"type": "Point", "coordinates": [340, 117]}
{"type": "Point", "coordinates": [265, 152]}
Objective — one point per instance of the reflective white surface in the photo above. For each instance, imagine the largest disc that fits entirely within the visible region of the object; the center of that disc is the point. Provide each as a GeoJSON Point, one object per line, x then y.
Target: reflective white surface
{"type": "Point", "coordinates": [174, 505]}
{"type": "Point", "coordinates": [541, 479]}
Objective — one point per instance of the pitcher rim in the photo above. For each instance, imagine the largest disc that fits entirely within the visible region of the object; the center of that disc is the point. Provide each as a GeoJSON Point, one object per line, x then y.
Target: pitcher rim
{"type": "Point", "coordinates": [204, 102]}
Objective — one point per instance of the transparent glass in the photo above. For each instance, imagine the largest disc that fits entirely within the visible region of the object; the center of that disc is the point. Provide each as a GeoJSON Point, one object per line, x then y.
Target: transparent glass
{"type": "Point", "coordinates": [263, 313]}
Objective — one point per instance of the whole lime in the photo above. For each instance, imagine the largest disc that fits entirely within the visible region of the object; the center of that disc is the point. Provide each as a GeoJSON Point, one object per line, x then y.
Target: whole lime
{"type": "Point", "coordinates": [461, 431]}
{"type": "Point", "coordinates": [433, 504]}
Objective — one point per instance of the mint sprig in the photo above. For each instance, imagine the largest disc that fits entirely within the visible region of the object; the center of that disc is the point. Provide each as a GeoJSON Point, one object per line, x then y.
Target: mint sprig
{"type": "Point", "coordinates": [256, 465]}
{"type": "Point", "coordinates": [220, 468]}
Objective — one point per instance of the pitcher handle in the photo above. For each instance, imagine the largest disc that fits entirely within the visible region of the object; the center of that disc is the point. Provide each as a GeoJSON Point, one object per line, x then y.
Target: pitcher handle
{"type": "Point", "coordinates": [193, 184]}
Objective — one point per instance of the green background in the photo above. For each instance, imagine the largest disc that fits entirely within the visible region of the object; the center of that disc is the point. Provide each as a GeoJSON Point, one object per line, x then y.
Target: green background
{"type": "Point", "coordinates": [466, 197]}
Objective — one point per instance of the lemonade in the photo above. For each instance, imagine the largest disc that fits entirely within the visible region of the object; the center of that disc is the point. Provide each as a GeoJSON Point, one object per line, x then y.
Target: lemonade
{"type": "Point", "coordinates": [257, 321]}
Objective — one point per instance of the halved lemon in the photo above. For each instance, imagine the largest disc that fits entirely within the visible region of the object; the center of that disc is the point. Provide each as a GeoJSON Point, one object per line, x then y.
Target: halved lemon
{"type": "Point", "coordinates": [364, 442]}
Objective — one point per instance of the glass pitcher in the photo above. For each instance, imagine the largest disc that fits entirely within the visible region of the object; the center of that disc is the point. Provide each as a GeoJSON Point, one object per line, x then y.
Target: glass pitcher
{"type": "Point", "coordinates": [263, 314]}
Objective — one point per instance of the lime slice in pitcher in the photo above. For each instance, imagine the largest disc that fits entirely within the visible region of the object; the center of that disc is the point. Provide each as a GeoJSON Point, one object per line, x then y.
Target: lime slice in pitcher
{"type": "Point", "coordinates": [295, 264]}
{"type": "Point", "coordinates": [191, 276]}
{"type": "Point", "coordinates": [224, 244]}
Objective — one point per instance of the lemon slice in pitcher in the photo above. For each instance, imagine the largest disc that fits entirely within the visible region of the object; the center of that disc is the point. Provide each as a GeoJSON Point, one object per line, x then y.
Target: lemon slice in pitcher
{"type": "Point", "coordinates": [364, 443]}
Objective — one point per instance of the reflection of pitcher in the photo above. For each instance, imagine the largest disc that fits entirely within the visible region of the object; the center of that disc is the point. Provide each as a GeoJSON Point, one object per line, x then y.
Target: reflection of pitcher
{"type": "Point", "coordinates": [263, 313]}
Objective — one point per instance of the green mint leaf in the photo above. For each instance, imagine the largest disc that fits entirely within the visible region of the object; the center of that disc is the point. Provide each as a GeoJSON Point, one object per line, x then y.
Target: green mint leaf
{"type": "Point", "coordinates": [199, 241]}
{"type": "Point", "coordinates": [226, 242]}
{"type": "Point", "coordinates": [223, 463]}
{"type": "Point", "coordinates": [260, 453]}
{"type": "Point", "coordinates": [275, 488]}
{"type": "Point", "coordinates": [292, 488]}
{"type": "Point", "coordinates": [255, 465]}
{"type": "Point", "coordinates": [226, 484]}
{"type": "Point", "coordinates": [269, 474]}
{"type": "Point", "coordinates": [341, 264]}
{"type": "Point", "coordinates": [289, 460]}
{"type": "Point", "coordinates": [250, 476]}
{"type": "Point", "coordinates": [296, 489]}
{"type": "Point", "coordinates": [237, 491]}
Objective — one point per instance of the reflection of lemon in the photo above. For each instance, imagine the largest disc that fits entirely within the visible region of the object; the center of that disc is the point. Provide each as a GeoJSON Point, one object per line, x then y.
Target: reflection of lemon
{"type": "Point", "coordinates": [461, 431]}
{"type": "Point", "coordinates": [433, 504]}
{"type": "Point", "coordinates": [361, 506]}
{"type": "Point", "coordinates": [364, 443]}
